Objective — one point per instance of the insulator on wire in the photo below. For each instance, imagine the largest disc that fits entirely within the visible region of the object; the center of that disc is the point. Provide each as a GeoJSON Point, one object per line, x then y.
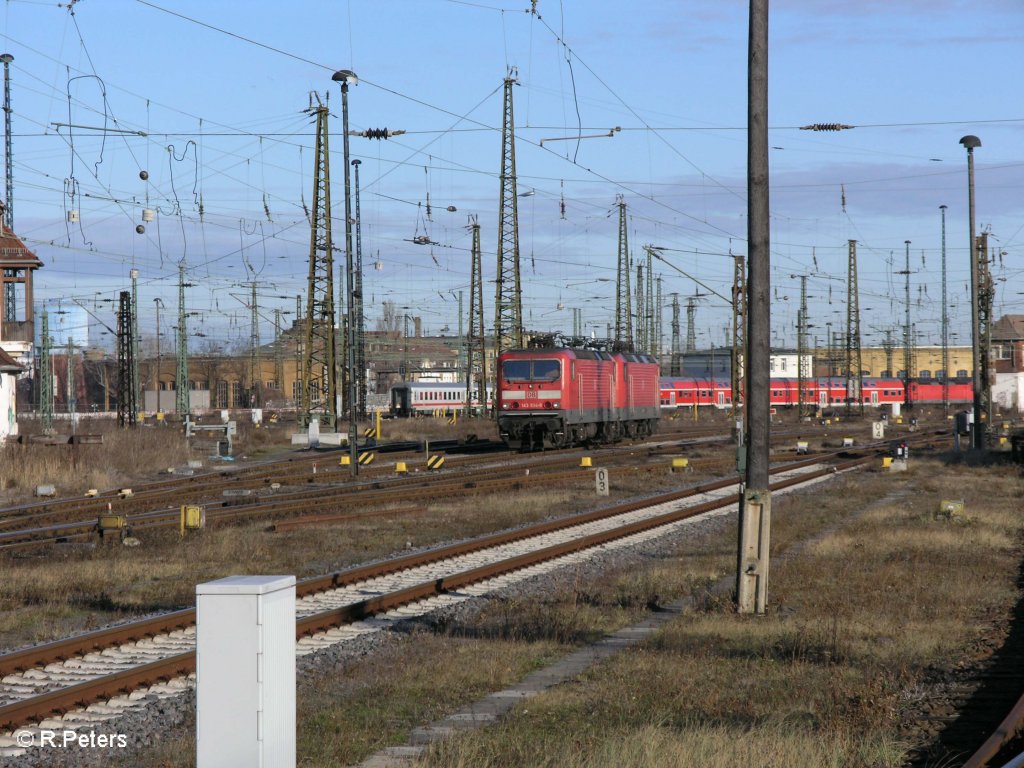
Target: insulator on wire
{"type": "Point", "coordinates": [826, 127]}
{"type": "Point", "coordinates": [377, 133]}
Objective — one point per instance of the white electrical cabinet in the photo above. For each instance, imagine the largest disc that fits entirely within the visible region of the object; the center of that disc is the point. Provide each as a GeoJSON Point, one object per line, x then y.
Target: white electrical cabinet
{"type": "Point", "coordinates": [245, 670]}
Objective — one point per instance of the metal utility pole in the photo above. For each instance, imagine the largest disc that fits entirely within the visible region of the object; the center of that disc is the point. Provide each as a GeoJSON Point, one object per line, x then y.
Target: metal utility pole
{"type": "Point", "coordinates": [255, 361]}
{"type": "Point", "coordinates": [623, 310]}
{"type": "Point", "coordinates": [136, 379]}
{"type": "Point", "coordinates": [908, 358]}
{"type": "Point", "coordinates": [674, 366]}
{"type": "Point", "coordinates": [801, 345]}
{"type": "Point", "coordinates": [181, 391]}
{"type": "Point", "coordinates": [508, 296]}
{"type": "Point", "coordinates": [6, 58]}
{"type": "Point", "coordinates": [691, 331]}
{"type": "Point", "coordinates": [357, 310]}
{"type": "Point", "coordinates": [476, 347]}
{"type": "Point", "coordinates": [127, 408]}
{"type": "Point", "coordinates": [45, 376]}
{"type": "Point", "coordinates": [319, 367]}
{"type": "Point", "coordinates": [739, 332]}
{"type": "Point", "coordinates": [344, 77]}
{"type": "Point", "coordinates": [970, 143]}
{"type": "Point", "coordinates": [854, 363]}
{"type": "Point", "coordinates": [755, 500]}
{"type": "Point", "coordinates": [945, 322]}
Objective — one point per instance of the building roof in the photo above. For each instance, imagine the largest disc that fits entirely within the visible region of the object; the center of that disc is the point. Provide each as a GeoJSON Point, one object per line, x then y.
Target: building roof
{"type": "Point", "coordinates": [1008, 328]}
{"type": "Point", "coordinates": [13, 253]}
{"type": "Point", "coordinates": [7, 364]}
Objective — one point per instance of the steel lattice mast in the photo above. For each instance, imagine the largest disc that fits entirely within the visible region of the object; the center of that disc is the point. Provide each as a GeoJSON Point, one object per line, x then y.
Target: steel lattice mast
{"type": "Point", "coordinates": [6, 58]}
{"type": "Point", "coordinates": [476, 346]}
{"type": "Point", "coordinates": [45, 376]}
{"type": "Point", "coordinates": [623, 310]}
{"type": "Point", "coordinates": [278, 353]}
{"type": "Point", "coordinates": [319, 365]}
{"type": "Point", "coordinates": [739, 330]}
{"type": "Point", "coordinates": [801, 347]}
{"type": "Point", "coordinates": [255, 361]}
{"type": "Point", "coordinates": [945, 322]}
{"type": "Point", "coordinates": [649, 324]}
{"type": "Point", "coordinates": [508, 301]}
{"type": "Point", "coordinates": [656, 346]}
{"type": "Point", "coordinates": [986, 294]}
{"type": "Point", "coordinates": [181, 391]}
{"type": "Point", "coordinates": [674, 366]}
{"type": "Point", "coordinates": [641, 321]}
{"type": "Point", "coordinates": [136, 379]}
{"type": "Point", "coordinates": [691, 331]}
{"type": "Point", "coordinates": [908, 357]}
{"type": "Point", "coordinates": [357, 301]}
{"type": "Point", "coordinates": [854, 364]}
{"type": "Point", "coordinates": [126, 405]}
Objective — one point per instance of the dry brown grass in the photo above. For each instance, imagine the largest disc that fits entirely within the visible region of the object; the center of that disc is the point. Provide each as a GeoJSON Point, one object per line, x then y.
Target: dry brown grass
{"type": "Point", "coordinates": [122, 457]}
{"type": "Point", "coordinates": [348, 712]}
{"type": "Point", "coordinates": [856, 620]}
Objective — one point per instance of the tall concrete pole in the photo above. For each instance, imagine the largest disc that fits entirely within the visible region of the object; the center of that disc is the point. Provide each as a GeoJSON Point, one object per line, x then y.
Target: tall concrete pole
{"type": "Point", "coordinates": [755, 501]}
{"type": "Point", "coordinates": [978, 429]}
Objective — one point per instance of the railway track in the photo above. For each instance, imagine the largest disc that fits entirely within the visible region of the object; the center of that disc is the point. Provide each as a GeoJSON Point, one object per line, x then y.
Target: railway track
{"type": "Point", "coordinates": [43, 684]}
{"type": "Point", "coordinates": [321, 488]}
{"type": "Point", "coordinates": [315, 483]}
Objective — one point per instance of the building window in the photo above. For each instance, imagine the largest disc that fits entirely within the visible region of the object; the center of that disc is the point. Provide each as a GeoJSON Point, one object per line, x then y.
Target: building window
{"type": "Point", "coordinates": [222, 394]}
{"type": "Point", "coordinates": [236, 394]}
{"type": "Point", "coordinates": [961, 374]}
{"type": "Point", "coordinates": [296, 391]}
{"type": "Point", "coordinates": [925, 375]}
{"type": "Point", "coordinates": [886, 374]}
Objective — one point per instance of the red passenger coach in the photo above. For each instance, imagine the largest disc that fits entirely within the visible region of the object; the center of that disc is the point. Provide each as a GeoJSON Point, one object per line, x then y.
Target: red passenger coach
{"type": "Point", "coordinates": [561, 396]}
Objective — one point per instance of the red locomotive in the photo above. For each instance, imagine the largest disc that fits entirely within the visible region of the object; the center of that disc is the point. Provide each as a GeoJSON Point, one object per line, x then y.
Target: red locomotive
{"type": "Point", "coordinates": [681, 392]}
{"type": "Point", "coordinates": [561, 396]}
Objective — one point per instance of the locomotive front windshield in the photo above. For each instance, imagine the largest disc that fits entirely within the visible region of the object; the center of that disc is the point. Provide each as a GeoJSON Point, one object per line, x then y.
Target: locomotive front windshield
{"type": "Point", "coordinates": [531, 370]}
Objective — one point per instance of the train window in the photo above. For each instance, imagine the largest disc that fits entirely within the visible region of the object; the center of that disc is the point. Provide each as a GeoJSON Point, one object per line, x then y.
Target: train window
{"type": "Point", "coordinates": [546, 370]}
{"type": "Point", "coordinates": [515, 370]}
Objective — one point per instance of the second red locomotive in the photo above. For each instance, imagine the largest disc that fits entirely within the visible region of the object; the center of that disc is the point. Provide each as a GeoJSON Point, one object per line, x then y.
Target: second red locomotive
{"type": "Point", "coordinates": [561, 396]}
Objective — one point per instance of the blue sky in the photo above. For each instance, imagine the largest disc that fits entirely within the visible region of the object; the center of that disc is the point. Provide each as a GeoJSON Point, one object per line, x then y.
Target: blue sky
{"type": "Point", "coordinates": [224, 120]}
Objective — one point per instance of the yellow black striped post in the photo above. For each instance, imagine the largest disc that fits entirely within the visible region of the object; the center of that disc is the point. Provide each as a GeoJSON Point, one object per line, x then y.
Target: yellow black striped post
{"type": "Point", "coordinates": [366, 458]}
{"type": "Point", "coordinates": [435, 462]}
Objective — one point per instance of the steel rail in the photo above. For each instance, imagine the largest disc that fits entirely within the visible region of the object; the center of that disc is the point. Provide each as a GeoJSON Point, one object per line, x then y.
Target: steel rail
{"type": "Point", "coordinates": [1008, 728]}
{"type": "Point", "coordinates": [62, 700]}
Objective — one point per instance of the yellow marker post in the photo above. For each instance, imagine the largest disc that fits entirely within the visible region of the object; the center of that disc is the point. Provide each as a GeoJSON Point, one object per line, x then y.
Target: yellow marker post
{"type": "Point", "coordinates": [379, 435]}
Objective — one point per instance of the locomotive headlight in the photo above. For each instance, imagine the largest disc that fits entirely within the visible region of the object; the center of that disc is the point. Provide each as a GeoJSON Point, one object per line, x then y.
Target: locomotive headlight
{"type": "Point", "coordinates": [556, 404]}
{"type": "Point", "coordinates": [504, 405]}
